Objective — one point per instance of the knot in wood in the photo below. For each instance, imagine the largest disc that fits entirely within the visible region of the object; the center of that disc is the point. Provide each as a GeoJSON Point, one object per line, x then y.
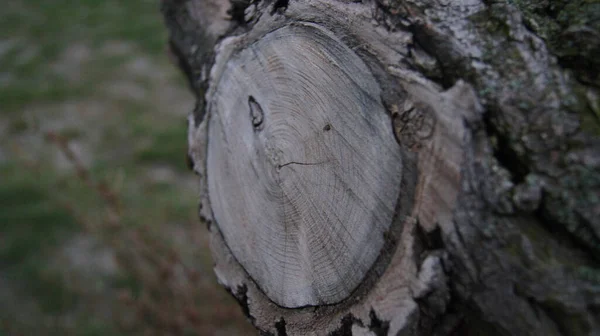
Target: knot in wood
{"type": "Point", "coordinates": [256, 112]}
{"type": "Point", "coordinates": [303, 170]}
{"type": "Point", "coordinates": [414, 124]}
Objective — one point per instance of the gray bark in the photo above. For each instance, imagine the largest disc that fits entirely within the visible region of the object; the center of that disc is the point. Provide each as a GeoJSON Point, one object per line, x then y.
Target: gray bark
{"type": "Point", "coordinates": [494, 107]}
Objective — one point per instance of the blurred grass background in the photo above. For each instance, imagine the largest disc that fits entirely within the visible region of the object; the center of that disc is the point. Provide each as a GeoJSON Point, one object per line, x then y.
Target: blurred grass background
{"type": "Point", "coordinates": [98, 224]}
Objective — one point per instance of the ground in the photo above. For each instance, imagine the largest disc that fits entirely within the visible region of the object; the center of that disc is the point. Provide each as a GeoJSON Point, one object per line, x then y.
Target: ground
{"type": "Point", "coordinates": [99, 232]}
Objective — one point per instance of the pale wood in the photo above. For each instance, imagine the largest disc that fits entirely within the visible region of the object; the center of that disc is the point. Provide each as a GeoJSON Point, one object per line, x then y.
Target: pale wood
{"type": "Point", "coordinates": [303, 170]}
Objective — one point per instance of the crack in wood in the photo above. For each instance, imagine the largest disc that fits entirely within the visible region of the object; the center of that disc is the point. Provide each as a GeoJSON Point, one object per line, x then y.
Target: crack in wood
{"type": "Point", "coordinates": [301, 163]}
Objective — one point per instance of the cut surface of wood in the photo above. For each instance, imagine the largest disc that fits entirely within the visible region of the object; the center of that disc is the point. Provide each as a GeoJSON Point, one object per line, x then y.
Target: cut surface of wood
{"type": "Point", "coordinates": [303, 170]}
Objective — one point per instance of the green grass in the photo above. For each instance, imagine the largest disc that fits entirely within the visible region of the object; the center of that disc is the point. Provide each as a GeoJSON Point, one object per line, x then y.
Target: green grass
{"type": "Point", "coordinates": [95, 328]}
{"type": "Point", "coordinates": [168, 146]}
{"type": "Point", "coordinates": [40, 29]}
{"type": "Point", "coordinates": [31, 219]}
{"type": "Point", "coordinates": [157, 139]}
{"type": "Point", "coordinates": [48, 21]}
{"type": "Point", "coordinates": [32, 224]}
{"type": "Point", "coordinates": [128, 282]}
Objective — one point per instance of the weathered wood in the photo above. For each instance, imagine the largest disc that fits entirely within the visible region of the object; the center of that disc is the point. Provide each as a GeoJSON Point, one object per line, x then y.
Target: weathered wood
{"type": "Point", "coordinates": [478, 138]}
{"type": "Point", "coordinates": [303, 170]}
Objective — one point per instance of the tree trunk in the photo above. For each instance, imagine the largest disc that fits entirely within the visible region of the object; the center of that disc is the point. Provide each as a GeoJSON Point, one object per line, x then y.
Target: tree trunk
{"type": "Point", "coordinates": [424, 167]}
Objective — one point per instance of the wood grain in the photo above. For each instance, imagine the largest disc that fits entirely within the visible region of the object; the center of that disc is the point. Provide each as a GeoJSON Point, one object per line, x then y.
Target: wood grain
{"type": "Point", "coordinates": [303, 169]}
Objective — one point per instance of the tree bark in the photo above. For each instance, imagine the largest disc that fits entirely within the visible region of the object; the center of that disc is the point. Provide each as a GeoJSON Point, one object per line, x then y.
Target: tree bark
{"type": "Point", "coordinates": [423, 167]}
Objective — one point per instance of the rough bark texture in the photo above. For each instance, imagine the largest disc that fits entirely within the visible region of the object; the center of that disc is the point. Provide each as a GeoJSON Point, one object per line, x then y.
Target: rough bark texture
{"type": "Point", "coordinates": [495, 106]}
